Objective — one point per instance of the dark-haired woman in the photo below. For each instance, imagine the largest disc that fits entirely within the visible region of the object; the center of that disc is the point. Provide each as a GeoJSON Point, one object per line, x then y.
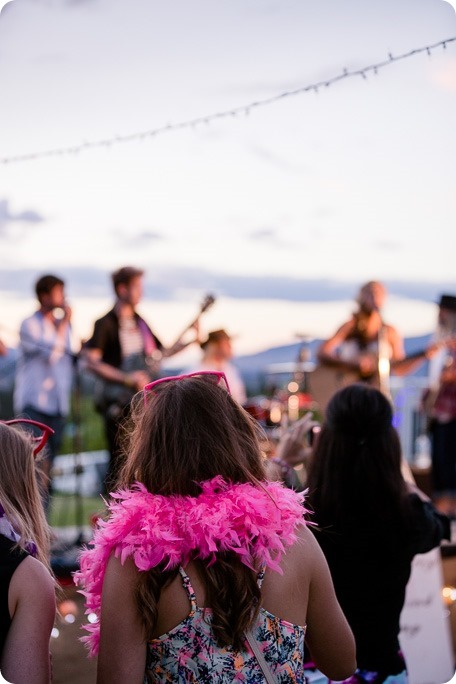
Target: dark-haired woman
{"type": "Point", "coordinates": [200, 553]}
{"type": "Point", "coordinates": [371, 524]}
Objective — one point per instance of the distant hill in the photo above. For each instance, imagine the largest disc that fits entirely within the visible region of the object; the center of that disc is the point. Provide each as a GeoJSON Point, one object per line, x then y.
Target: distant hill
{"type": "Point", "coordinates": [290, 352]}
{"type": "Point", "coordinates": [253, 367]}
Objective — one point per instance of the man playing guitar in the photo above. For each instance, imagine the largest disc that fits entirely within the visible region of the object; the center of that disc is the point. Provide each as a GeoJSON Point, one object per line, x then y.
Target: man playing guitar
{"type": "Point", "coordinates": [125, 355]}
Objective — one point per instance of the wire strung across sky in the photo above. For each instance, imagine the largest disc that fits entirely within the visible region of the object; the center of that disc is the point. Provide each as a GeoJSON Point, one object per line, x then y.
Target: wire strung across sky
{"type": "Point", "coordinates": [243, 109]}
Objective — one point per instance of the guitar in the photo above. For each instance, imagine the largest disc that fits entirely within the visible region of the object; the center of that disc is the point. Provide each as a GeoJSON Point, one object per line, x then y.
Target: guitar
{"type": "Point", "coordinates": [113, 396]}
{"type": "Point", "coordinates": [327, 378]}
{"type": "Point", "coordinates": [206, 304]}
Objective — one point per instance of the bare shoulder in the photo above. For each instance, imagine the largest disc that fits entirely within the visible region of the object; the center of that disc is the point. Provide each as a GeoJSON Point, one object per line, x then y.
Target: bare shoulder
{"type": "Point", "coordinates": [343, 331]}
{"type": "Point", "coordinates": [304, 554]}
{"type": "Point", "coordinates": [33, 580]}
{"type": "Point", "coordinates": [32, 589]}
{"type": "Point", "coordinates": [118, 574]}
{"type": "Point", "coordinates": [393, 333]}
{"type": "Point", "coordinates": [337, 338]}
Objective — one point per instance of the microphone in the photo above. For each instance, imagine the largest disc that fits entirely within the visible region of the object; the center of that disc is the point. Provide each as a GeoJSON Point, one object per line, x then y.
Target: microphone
{"type": "Point", "coordinates": [59, 313]}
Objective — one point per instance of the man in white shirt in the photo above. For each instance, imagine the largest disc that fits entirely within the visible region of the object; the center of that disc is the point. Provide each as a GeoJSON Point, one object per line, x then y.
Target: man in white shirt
{"type": "Point", "coordinates": [44, 371]}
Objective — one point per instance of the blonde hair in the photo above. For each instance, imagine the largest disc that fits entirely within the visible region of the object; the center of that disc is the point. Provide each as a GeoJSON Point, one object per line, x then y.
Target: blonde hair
{"type": "Point", "coordinates": [366, 291]}
{"type": "Point", "coordinates": [19, 491]}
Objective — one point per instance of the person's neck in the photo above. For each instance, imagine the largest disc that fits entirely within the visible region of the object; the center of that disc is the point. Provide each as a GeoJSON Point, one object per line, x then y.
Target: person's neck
{"type": "Point", "coordinates": [47, 313]}
{"type": "Point", "coordinates": [214, 360]}
{"type": "Point", "coordinates": [374, 323]}
{"type": "Point", "coordinates": [124, 309]}
{"type": "Point", "coordinates": [368, 324]}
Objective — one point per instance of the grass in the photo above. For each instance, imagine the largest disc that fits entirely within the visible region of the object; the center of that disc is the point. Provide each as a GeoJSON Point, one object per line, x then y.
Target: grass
{"type": "Point", "coordinates": [84, 430]}
{"type": "Point", "coordinates": [67, 510]}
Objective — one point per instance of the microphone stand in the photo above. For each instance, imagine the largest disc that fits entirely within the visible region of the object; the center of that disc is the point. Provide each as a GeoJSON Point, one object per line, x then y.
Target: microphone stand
{"type": "Point", "coordinates": [383, 363]}
{"type": "Point", "coordinates": [65, 556]}
{"type": "Point", "coordinates": [77, 444]}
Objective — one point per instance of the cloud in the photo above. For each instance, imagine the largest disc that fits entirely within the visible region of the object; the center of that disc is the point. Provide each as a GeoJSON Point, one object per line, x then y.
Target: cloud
{"type": "Point", "coordinates": [140, 239]}
{"type": "Point", "coordinates": [7, 217]}
{"type": "Point", "coordinates": [271, 236]}
{"type": "Point", "coordinates": [28, 216]}
{"type": "Point", "coordinates": [388, 245]}
{"type": "Point", "coordinates": [275, 160]}
{"type": "Point", "coordinates": [168, 283]}
{"type": "Point", "coordinates": [267, 234]}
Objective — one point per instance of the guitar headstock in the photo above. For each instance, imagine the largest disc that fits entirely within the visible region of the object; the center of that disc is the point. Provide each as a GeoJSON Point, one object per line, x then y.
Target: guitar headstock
{"type": "Point", "coordinates": [207, 302]}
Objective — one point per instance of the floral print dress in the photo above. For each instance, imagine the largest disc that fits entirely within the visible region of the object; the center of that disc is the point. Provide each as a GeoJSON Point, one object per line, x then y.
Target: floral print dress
{"type": "Point", "coordinates": [188, 654]}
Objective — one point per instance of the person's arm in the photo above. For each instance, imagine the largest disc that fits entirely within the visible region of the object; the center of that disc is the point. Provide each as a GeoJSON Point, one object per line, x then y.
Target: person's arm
{"type": "Point", "coordinates": [399, 363]}
{"type": "Point", "coordinates": [328, 635]}
{"type": "Point", "coordinates": [402, 364]}
{"type": "Point", "coordinates": [294, 448]}
{"type": "Point", "coordinates": [327, 352]}
{"type": "Point", "coordinates": [448, 375]}
{"type": "Point", "coordinates": [429, 526]}
{"type": "Point", "coordinates": [33, 343]}
{"type": "Point", "coordinates": [93, 362]}
{"type": "Point", "coordinates": [31, 599]}
{"type": "Point", "coordinates": [122, 653]}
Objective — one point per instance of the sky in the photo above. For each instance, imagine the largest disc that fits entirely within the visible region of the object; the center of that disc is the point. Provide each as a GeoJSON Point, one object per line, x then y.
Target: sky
{"type": "Point", "coordinates": [281, 210]}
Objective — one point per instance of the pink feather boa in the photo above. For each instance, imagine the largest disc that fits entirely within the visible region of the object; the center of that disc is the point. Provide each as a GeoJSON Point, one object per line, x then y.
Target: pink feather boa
{"type": "Point", "coordinates": [256, 522]}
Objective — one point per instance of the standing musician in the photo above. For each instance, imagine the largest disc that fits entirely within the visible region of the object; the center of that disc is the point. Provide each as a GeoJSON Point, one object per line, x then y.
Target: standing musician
{"type": "Point", "coordinates": [440, 405]}
{"type": "Point", "coordinates": [365, 348]}
{"type": "Point", "coordinates": [125, 355]}
{"type": "Point", "coordinates": [44, 371]}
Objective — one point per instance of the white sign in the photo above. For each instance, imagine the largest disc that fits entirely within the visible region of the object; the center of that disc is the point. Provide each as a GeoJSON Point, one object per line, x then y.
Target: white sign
{"type": "Point", "coordinates": [425, 635]}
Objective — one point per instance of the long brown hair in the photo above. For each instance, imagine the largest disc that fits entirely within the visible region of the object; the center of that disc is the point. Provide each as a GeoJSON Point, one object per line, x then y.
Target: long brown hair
{"type": "Point", "coordinates": [19, 492]}
{"type": "Point", "coordinates": [187, 432]}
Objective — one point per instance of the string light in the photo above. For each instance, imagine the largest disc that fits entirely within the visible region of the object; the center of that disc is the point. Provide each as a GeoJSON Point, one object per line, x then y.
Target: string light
{"type": "Point", "coordinates": [243, 109]}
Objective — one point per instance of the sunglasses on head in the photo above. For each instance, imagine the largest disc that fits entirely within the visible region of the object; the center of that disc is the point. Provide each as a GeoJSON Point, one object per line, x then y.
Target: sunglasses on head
{"type": "Point", "coordinates": [39, 432]}
{"type": "Point", "coordinates": [216, 377]}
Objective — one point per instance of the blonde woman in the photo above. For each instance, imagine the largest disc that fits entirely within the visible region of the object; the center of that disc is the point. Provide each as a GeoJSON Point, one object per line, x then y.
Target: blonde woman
{"type": "Point", "coordinates": [27, 595]}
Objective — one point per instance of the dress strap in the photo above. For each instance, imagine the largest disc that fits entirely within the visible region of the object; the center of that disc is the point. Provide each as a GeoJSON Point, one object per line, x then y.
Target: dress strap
{"type": "Point", "coordinates": [260, 576]}
{"type": "Point", "coordinates": [189, 589]}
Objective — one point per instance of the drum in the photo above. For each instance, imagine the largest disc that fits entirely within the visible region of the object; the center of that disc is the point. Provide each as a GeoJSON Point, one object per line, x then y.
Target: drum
{"type": "Point", "coordinates": [259, 408]}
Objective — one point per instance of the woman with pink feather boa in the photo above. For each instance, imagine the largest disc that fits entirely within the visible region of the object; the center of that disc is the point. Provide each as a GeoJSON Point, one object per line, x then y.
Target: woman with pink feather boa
{"type": "Point", "coordinates": [204, 571]}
